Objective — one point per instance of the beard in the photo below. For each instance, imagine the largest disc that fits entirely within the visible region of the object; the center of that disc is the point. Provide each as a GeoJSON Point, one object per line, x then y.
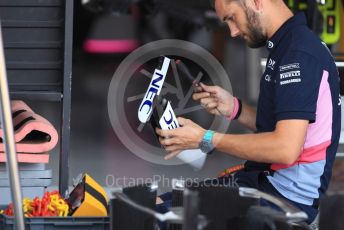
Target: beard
{"type": "Point", "coordinates": [256, 37]}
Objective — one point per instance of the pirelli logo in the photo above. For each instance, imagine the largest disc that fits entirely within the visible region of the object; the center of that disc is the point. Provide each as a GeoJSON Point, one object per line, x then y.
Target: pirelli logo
{"type": "Point", "coordinates": [289, 67]}
{"type": "Point", "coordinates": [290, 74]}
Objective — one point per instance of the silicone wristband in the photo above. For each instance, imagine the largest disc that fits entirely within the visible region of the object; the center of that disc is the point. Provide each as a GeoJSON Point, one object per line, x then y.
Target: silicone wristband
{"type": "Point", "coordinates": [235, 110]}
{"type": "Point", "coordinates": [239, 110]}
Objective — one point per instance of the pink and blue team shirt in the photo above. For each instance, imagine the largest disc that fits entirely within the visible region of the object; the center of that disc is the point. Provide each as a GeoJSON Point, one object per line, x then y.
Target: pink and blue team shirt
{"type": "Point", "coordinates": [301, 81]}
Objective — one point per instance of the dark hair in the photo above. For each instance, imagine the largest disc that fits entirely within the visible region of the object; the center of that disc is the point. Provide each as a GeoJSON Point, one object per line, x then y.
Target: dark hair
{"type": "Point", "coordinates": [212, 3]}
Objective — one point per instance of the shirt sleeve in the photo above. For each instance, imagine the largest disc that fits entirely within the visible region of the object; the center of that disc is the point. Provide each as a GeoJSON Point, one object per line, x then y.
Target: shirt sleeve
{"type": "Point", "coordinates": [297, 85]}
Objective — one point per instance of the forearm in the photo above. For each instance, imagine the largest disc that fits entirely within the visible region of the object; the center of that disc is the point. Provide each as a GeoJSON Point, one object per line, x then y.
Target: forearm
{"type": "Point", "coordinates": [248, 117]}
{"type": "Point", "coordinates": [264, 147]}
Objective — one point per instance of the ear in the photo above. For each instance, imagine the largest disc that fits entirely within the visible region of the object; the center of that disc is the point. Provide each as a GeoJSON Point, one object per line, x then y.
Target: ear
{"type": "Point", "coordinates": [257, 4]}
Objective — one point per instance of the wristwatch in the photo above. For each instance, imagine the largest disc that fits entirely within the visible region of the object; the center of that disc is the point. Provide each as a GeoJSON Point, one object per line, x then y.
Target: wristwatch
{"type": "Point", "coordinates": [206, 144]}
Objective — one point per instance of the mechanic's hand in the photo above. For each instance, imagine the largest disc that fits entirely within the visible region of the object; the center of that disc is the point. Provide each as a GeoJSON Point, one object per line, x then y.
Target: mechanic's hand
{"type": "Point", "coordinates": [188, 136]}
{"type": "Point", "coordinates": [214, 99]}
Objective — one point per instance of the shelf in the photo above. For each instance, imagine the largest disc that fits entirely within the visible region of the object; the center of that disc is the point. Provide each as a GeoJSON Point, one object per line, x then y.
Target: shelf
{"type": "Point", "coordinates": [34, 65]}
{"type": "Point", "coordinates": [32, 24]}
{"type": "Point", "coordinates": [340, 64]}
{"type": "Point", "coordinates": [30, 3]}
{"type": "Point", "coordinates": [340, 155]}
{"type": "Point", "coordinates": [38, 37]}
{"type": "Point", "coordinates": [36, 95]}
{"type": "Point", "coordinates": [34, 45]}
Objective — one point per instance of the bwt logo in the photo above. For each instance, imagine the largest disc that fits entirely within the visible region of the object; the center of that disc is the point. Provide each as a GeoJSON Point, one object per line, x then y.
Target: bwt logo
{"type": "Point", "coordinates": [271, 64]}
{"type": "Point", "coordinates": [154, 89]}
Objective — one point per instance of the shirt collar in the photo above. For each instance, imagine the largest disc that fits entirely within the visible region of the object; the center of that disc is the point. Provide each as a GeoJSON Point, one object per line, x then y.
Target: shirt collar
{"type": "Point", "coordinates": [298, 19]}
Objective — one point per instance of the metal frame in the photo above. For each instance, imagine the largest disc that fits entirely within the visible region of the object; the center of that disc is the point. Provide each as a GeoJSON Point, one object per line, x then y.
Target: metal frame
{"type": "Point", "coordinates": [66, 100]}
{"type": "Point", "coordinates": [10, 147]}
{"type": "Point", "coordinates": [62, 96]}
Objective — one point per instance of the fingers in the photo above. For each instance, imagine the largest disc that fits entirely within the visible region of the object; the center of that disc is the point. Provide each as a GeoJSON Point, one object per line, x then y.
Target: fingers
{"type": "Point", "coordinates": [171, 146]}
{"type": "Point", "coordinates": [209, 100]}
{"type": "Point", "coordinates": [211, 106]}
{"type": "Point", "coordinates": [172, 154]}
{"type": "Point", "coordinates": [210, 89]}
{"type": "Point", "coordinates": [176, 140]}
{"type": "Point", "coordinates": [209, 103]}
{"type": "Point", "coordinates": [165, 133]}
{"type": "Point", "coordinates": [182, 121]}
{"type": "Point", "coordinates": [213, 111]}
{"type": "Point", "coordinates": [200, 87]}
{"type": "Point", "coordinates": [197, 88]}
{"type": "Point", "coordinates": [167, 141]}
{"type": "Point", "coordinates": [198, 96]}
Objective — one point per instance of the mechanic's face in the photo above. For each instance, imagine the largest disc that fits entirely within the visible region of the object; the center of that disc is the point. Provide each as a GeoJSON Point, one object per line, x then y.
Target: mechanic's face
{"type": "Point", "coordinates": [242, 21]}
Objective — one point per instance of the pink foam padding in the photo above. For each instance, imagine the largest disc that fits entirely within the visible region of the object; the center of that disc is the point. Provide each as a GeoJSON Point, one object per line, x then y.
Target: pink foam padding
{"type": "Point", "coordinates": [110, 46]}
{"type": "Point", "coordinates": [18, 105]}
{"type": "Point", "coordinates": [38, 124]}
{"type": "Point", "coordinates": [28, 158]}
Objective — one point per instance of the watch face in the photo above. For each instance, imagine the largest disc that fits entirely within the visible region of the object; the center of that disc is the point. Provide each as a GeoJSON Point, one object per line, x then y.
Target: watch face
{"type": "Point", "coordinates": [204, 146]}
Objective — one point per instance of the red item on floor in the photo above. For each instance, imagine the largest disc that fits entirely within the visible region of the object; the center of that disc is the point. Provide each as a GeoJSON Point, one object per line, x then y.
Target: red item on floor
{"type": "Point", "coordinates": [51, 204]}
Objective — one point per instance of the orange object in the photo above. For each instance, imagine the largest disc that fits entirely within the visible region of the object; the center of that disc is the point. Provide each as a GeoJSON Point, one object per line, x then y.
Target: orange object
{"type": "Point", "coordinates": [51, 204]}
{"type": "Point", "coordinates": [231, 170]}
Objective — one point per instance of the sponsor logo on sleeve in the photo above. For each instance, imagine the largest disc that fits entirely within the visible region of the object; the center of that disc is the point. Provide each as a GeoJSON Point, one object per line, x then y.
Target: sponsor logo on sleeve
{"type": "Point", "coordinates": [296, 80]}
{"type": "Point", "coordinates": [340, 101]}
{"type": "Point", "coordinates": [271, 64]}
{"type": "Point", "coordinates": [267, 78]}
{"type": "Point", "coordinates": [270, 44]}
{"type": "Point", "coordinates": [289, 67]}
{"type": "Point", "coordinates": [290, 74]}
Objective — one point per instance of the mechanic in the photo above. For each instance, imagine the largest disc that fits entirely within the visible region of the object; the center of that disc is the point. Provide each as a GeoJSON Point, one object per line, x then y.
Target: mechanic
{"type": "Point", "coordinates": [296, 124]}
